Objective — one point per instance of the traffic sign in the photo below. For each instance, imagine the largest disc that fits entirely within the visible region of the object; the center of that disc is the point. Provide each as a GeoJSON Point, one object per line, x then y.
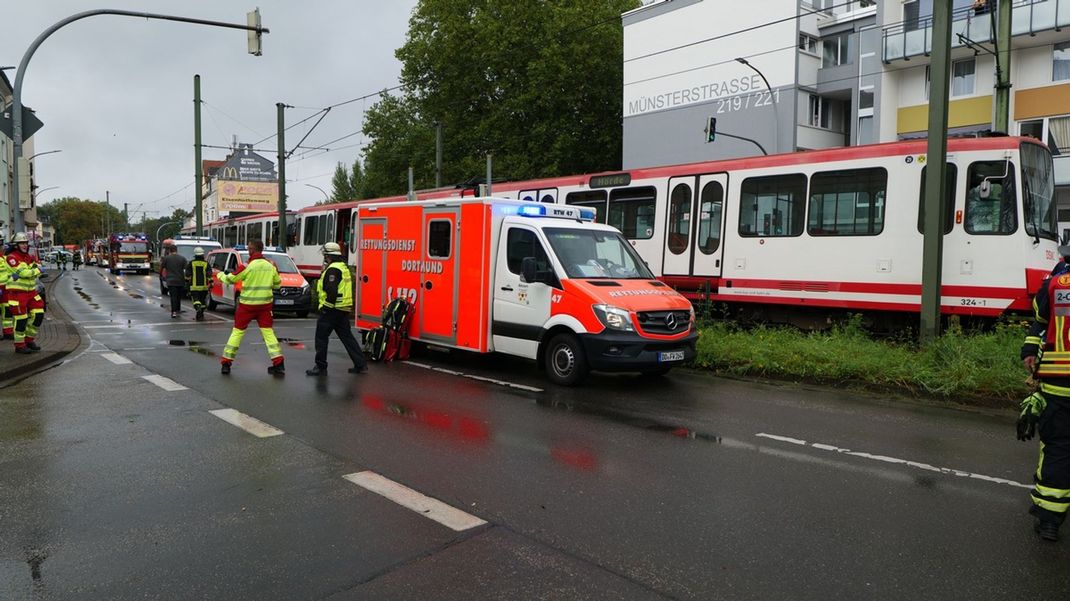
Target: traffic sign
{"type": "Point", "coordinates": [30, 123]}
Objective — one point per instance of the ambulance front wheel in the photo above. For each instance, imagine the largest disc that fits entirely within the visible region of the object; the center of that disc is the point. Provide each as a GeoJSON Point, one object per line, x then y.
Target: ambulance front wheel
{"type": "Point", "coordinates": [565, 362]}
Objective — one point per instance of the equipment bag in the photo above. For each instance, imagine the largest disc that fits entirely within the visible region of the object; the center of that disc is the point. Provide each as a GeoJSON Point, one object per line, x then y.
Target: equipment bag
{"type": "Point", "coordinates": [375, 344]}
{"type": "Point", "coordinates": [396, 318]}
{"type": "Point", "coordinates": [405, 345]}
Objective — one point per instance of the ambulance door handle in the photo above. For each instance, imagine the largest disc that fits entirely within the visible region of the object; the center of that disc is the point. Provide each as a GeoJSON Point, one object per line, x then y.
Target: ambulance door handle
{"type": "Point", "coordinates": [507, 288]}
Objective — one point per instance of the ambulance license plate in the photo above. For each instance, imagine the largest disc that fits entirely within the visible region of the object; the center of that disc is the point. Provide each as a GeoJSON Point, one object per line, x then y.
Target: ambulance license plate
{"type": "Point", "coordinates": [671, 356]}
{"type": "Point", "coordinates": [284, 301]}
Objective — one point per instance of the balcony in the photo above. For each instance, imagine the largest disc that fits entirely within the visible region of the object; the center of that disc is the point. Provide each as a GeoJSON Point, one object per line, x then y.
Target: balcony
{"type": "Point", "coordinates": [913, 38]}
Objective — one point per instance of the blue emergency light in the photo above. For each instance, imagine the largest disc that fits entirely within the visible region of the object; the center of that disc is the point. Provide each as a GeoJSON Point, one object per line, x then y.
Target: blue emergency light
{"type": "Point", "coordinates": [587, 214]}
{"type": "Point", "coordinates": [532, 210]}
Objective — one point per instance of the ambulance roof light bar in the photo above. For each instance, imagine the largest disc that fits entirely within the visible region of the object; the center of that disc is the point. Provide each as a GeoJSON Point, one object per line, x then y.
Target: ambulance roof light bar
{"type": "Point", "coordinates": [556, 211]}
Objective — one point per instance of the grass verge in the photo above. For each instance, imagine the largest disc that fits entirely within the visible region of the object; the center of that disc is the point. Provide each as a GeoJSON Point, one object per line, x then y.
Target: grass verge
{"type": "Point", "coordinates": [975, 368]}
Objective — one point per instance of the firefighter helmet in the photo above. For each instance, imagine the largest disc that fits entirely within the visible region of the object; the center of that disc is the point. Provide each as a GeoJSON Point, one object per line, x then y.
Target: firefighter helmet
{"type": "Point", "coordinates": [332, 248]}
{"type": "Point", "coordinates": [20, 237]}
{"type": "Point", "coordinates": [198, 252]}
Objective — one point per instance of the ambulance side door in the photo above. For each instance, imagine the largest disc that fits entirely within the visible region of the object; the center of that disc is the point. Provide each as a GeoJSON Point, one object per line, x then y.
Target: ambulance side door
{"type": "Point", "coordinates": [371, 270]}
{"type": "Point", "coordinates": [520, 308]}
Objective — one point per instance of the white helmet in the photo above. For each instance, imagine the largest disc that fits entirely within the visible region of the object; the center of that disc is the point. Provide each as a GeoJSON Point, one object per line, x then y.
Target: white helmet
{"type": "Point", "coordinates": [198, 252]}
{"type": "Point", "coordinates": [332, 248]}
{"type": "Point", "coordinates": [20, 237]}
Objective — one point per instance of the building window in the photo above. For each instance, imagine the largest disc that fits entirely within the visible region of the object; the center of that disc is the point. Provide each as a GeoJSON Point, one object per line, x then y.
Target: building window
{"type": "Point", "coordinates": [848, 203]}
{"type": "Point", "coordinates": [834, 50]}
{"type": "Point", "coordinates": [1033, 129]}
{"type": "Point", "coordinates": [865, 130]}
{"type": "Point", "coordinates": [926, 83]}
{"type": "Point", "coordinates": [1060, 62]}
{"type": "Point", "coordinates": [962, 77]}
{"type": "Point", "coordinates": [808, 43]}
{"type": "Point", "coordinates": [819, 111]}
{"type": "Point", "coordinates": [865, 99]}
{"type": "Point", "coordinates": [772, 206]}
{"type": "Point", "coordinates": [1059, 134]}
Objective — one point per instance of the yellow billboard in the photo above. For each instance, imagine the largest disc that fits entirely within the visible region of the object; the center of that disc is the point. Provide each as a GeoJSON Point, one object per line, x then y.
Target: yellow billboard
{"type": "Point", "coordinates": [248, 196]}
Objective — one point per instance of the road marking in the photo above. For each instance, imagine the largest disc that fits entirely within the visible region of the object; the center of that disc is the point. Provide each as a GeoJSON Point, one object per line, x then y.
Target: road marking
{"type": "Point", "coordinates": [139, 325]}
{"type": "Point", "coordinates": [116, 358]}
{"type": "Point", "coordinates": [475, 377]}
{"type": "Point", "coordinates": [431, 508]}
{"type": "Point", "coordinates": [166, 383]}
{"type": "Point", "coordinates": [246, 422]}
{"type": "Point", "coordinates": [884, 458]}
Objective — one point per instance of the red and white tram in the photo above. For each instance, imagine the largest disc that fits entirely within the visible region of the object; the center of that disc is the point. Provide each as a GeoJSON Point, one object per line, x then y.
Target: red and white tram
{"type": "Point", "coordinates": [240, 230]}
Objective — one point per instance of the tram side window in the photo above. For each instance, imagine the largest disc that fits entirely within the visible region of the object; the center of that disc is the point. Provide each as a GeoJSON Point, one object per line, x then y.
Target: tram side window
{"type": "Point", "coordinates": [255, 231]}
{"type": "Point", "coordinates": [772, 206]}
{"type": "Point", "coordinates": [631, 210]}
{"type": "Point", "coordinates": [321, 230]}
{"type": "Point", "coordinates": [330, 228]}
{"type": "Point", "coordinates": [848, 203]}
{"type": "Point", "coordinates": [949, 210]}
{"type": "Point", "coordinates": [709, 218]}
{"type": "Point", "coordinates": [679, 218]}
{"type": "Point", "coordinates": [310, 229]}
{"type": "Point", "coordinates": [595, 199]}
{"type": "Point", "coordinates": [997, 214]}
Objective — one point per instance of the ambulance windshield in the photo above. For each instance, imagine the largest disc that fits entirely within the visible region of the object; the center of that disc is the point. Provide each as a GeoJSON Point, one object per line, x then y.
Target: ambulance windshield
{"type": "Point", "coordinates": [591, 254]}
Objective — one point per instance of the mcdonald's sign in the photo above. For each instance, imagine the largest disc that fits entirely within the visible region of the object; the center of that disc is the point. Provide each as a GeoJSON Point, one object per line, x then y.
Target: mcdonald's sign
{"type": "Point", "coordinates": [247, 196]}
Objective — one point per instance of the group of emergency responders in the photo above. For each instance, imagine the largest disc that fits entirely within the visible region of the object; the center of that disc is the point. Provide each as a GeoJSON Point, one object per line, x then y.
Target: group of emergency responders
{"type": "Point", "coordinates": [22, 310]}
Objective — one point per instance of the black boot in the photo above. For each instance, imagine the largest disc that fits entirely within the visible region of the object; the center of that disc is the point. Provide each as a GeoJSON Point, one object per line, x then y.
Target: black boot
{"type": "Point", "coordinates": [33, 346]}
{"type": "Point", "coordinates": [278, 370]}
{"type": "Point", "coordinates": [22, 350]}
{"type": "Point", "coordinates": [225, 368]}
{"type": "Point", "coordinates": [358, 370]}
{"type": "Point", "coordinates": [316, 371]}
{"type": "Point", "coordinates": [1047, 530]}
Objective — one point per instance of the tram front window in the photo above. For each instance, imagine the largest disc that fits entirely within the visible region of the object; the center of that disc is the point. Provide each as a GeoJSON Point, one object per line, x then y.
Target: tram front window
{"type": "Point", "coordinates": [1038, 192]}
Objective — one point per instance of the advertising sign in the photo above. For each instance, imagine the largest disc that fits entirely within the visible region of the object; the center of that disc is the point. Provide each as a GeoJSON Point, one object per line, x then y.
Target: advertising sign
{"type": "Point", "coordinates": [248, 196]}
{"type": "Point", "coordinates": [247, 166]}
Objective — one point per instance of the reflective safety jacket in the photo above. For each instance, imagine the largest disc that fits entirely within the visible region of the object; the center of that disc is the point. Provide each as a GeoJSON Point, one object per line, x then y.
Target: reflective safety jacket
{"type": "Point", "coordinates": [5, 271]}
{"type": "Point", "coordinates": [197, 274]}
{"type": "Point", "coordinates": [259, 280]}
{"type": "Point", "coordinates": [1049, 337]}
{"type": "Point", "coordinates": [335, 287]}
{"type": "Point", "coordinates": [25, 266]}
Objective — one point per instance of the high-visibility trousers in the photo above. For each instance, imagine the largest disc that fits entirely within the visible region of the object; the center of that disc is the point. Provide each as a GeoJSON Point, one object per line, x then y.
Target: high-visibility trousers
{"type": "Point", "coordinates": [6, 318]}
{"type": "Point", "coordinates": [1051, 489]}
{"type": "Point", "coordinates": [243, 316]}
{"type": "Point", "coordinates": [27, 311]}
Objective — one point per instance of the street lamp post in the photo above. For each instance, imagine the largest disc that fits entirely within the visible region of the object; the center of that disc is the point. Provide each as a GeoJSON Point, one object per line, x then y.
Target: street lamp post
{"type": "Point", "coordinates": [325, 195]}
{"type": "Point", "coordinates": [253, 27]}
{"type": "Point", "coordinates": [772, 96]}
{"type": "Point", "coordinates": [163, 225]}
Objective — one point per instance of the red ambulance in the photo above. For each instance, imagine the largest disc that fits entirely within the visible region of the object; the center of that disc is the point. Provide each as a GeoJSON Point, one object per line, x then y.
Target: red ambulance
{"type": "Point", "coordinates": [541, 281]}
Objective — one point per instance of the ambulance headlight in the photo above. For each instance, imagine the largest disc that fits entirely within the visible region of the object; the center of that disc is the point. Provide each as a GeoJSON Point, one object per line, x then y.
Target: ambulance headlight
{"type": "Point", "coordinates": [614, 318]}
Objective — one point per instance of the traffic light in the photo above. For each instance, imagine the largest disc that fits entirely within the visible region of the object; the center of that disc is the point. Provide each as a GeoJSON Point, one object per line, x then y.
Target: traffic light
{"type": "Point", "coordinates": [711, 130]}
{"type": "Point", "coordinates": [252, 19]}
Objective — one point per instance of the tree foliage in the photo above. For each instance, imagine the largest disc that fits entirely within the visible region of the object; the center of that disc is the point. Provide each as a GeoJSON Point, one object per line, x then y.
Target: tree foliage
{"type": "Point", "coordinates": [535, 83]}
{"type": "Point", "coordinates": [77, 220]}
{"type": "Point", "coordinates": [347, 184]}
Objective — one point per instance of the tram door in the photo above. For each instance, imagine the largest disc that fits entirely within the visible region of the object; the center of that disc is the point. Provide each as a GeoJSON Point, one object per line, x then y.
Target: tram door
{"type": "Point", "coordinates": [694, 225]}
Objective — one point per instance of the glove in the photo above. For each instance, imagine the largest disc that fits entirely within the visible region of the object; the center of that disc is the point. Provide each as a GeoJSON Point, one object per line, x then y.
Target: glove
{"type": "Point", "coordinates": [1031, 409]}
{"type": "Point", "coordinates": [15, 275]}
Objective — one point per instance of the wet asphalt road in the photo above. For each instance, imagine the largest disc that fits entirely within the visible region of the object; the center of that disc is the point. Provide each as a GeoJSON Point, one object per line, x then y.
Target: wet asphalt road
{"type": "Point", "coordinates": [688, 487]}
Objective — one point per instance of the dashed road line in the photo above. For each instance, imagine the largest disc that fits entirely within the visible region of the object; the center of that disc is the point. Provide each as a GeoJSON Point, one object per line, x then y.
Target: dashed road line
{"type": "Point", "coordinates": [247, 422]}
{"type": "Point", "coordinates": [429, 507]}
{"type": "Point", "coordinates": [474, 377]}
{"type": "Point", "coordinates": [166, 383]}
{"type": "Point", "coordinates": [116, 358]}
{"type": "Point", "coordinates": [895, 460]}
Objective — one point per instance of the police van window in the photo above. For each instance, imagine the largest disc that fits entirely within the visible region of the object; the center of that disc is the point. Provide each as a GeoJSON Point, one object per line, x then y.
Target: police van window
{"type": "Point", "coordinates": [709, 218]}
{"type": "Point", "coordinates": [521, 243]}
{"type": "Point", "coordinates": [772, 206]}
{"type": "Point", "coordinates": [438, 238]}
{"type": "Point", "coordinates": [949, 210]}
{"type": "Point", "coordinates": [848, 202]}
{"type": "Point", "coordinates": [631, 210]}
{"type": "Point", "coordinates": [595, 199]}
{"type": "Point", "coordinates": [310, 230]}
{"type": "Point", "coordinates": [996, 214]}
{"type": "Point", "coordinates": [679, 218]}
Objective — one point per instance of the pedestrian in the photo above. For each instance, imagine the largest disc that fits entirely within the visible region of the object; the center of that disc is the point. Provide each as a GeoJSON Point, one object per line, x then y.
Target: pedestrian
{"type": "Point", "coordinates": [77, 259]}
{"type": "Point", "coordinates": [197, 280]}
{"type": "Point", "coordinates": [259, 278]}
{"type": "Point", "coordinates": [335, 300]}
{"type": "Point", "coordinates": [173, 268]}
{"type": "Point", "coordinates": [1047, 411]}
{"type": "Point", "coordinates": [5, 315]}
{"type": "Point", "coordinates": [26, 305]}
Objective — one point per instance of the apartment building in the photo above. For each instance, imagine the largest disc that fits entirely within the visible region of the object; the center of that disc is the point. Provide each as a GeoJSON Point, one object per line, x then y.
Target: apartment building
{"type": "Point", "coordinates": [7, 153]}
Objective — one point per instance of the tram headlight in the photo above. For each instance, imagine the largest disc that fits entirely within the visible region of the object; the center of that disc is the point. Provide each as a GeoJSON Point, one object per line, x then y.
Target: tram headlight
{"type": "Point", "coordinates": [614, 318]}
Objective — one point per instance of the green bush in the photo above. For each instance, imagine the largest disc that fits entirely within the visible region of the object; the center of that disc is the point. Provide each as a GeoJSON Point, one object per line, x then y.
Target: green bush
{"type": "Point", "coordinates": [975, 367]}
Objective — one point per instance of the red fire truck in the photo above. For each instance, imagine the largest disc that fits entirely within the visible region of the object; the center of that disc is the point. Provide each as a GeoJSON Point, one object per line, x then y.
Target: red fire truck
{"type": "Point", "coordinates": [129, 252]}
{"type": "Point", "coordinates": [541, 281]}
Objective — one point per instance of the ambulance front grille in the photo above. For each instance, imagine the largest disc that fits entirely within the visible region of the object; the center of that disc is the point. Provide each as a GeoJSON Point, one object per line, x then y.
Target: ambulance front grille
{"type": "Point", "coordinates": [659, 322]}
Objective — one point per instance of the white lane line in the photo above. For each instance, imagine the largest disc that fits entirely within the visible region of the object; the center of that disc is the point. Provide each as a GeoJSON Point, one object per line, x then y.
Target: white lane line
{"type": "Point", "coordinates": [139, 325]}
{"type": "Point", "coordinates": [116, 358]}
{"type": "Point", "coordinates": [884, 458]}
{"type": "Point", "coordinates": [474, 377]}
{"type": "Point", "coordinates": [246, 422]}
{"type": "Point", "coordinates": [166, 383]}
{"type": "Point", "coordinates": [431, 508]}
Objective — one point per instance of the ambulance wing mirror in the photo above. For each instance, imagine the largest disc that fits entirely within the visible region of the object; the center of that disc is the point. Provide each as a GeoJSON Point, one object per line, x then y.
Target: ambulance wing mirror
{"type": "Point", "coordinates": [528, 273]}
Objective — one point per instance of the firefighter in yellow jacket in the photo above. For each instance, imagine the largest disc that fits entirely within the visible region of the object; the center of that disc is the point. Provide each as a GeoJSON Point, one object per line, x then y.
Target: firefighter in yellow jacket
{"type": "Point", "coordinates": [197, 281]}
{"type": "Point", "coordinates": [260, 279]}
{"type": "Point", "coordinates": [6, 318]}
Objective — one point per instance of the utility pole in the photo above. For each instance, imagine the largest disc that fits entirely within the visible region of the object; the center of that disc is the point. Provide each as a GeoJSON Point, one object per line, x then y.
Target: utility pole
{"type": "Point", "coordinates": [198, 177]}
{"type": "Point", "coordinates": [1001, 123]}
{"type": "Point", "coordinates": [281, 109]}
{"type": "Point", "coordinates": [438, 154]}
{"type": "Point", "coordinates": [936, 173]}
{"type": "Point", "coordinates": [107, 208]}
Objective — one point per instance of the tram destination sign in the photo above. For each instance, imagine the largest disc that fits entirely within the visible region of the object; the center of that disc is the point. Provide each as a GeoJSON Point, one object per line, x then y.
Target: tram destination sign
{"type": "Point", "coordinates": [610, 181]}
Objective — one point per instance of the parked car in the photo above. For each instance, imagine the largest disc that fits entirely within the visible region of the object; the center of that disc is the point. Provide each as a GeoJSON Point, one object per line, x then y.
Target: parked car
{"type": "Point", "coordinates": [295, 295]}
{"type": "Point", "coordinates": [186, 245]}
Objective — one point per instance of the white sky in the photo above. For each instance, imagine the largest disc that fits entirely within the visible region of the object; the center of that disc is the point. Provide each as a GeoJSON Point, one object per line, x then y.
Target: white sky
{"type": "Point", "coordinates": [116, 93]}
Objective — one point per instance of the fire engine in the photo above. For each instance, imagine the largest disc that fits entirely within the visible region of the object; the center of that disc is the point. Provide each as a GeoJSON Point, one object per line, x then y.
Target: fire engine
{"type": "Point", "coordinates": [129, 252]}
{"type": "Point", "coordinates": [534, 280]}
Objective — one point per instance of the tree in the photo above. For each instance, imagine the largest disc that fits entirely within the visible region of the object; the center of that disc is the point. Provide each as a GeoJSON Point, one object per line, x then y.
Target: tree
{"type": "Point", "coordinates": [538, 84]}
{"type": "Point", "coordinates": [356, 181]}
{"type": "Point", "coordinates": [341, 188]}
{"type": "Point", "coordinates": [77, 220]}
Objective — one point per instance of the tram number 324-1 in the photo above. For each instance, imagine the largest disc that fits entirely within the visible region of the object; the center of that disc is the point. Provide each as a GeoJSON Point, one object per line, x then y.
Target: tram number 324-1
{"type": "Point", "coordinates": [972, 302]}
{"type": "Point", "coordinates": [746, 101]}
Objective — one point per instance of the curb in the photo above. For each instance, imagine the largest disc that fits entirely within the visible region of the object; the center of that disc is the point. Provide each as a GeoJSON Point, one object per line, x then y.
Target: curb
{"type": "Point", "coordinates": [45, 361]}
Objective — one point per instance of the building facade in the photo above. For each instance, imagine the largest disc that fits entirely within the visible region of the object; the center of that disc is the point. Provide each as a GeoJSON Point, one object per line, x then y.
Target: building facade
{"type": "Point", "coordinates": [244, 183]}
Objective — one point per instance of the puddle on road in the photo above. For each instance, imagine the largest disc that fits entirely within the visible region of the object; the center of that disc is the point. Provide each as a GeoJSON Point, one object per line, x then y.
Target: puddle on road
{"type": "Point", "coordinates": [619, 416]}
{"type": "Point", "coordinates": [201, 350]}
{"type": "Point", "coordinates": [293, 343]}
{"type": "Point", "coordinates": [177, 342]}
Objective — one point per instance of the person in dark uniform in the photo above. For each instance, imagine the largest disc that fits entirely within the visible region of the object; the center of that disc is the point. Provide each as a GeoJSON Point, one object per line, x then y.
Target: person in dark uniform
{"type": "Point", "coordinates": [173, 266]}
{"type": "Point", "coordinates": [335, 297]}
